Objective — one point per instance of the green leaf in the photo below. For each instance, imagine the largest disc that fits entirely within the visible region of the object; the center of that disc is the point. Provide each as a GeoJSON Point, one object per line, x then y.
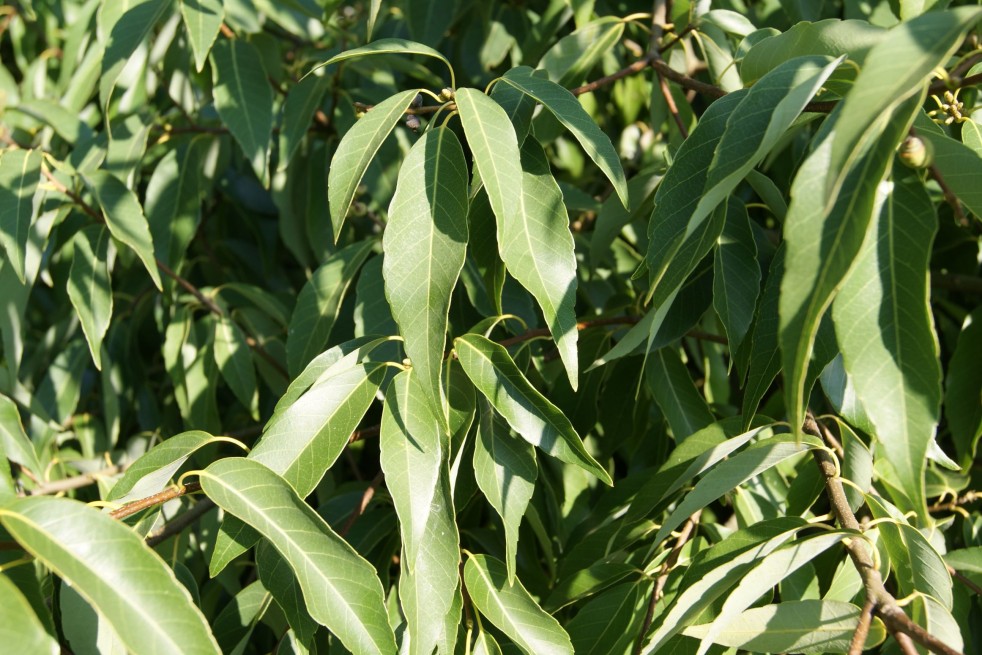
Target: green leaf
{"type": "Point", "coordinates": [425, 243]}
{"type": "Point", "coordinates": [505, 470]}
{"type": "Point", "coordinates": [234, 361]}
{"type": "Point", "coordinates": [511, 609]}
{"type": "Point", "coordinates": [529, 413]}
{"type": "Point", "coordinates": [963, 389]}
{"type": "Point", "coordinates": [736, 281]}
{"type": "Point", "coordinates": [244, 99]}
{"type": "Point", "coordinates": [959, 166]}
{"type": "Point", "coordinates": [603, 625]}
{"type": "Point", "coordinates": [753, 128]}
{"type": "Point", "coordinates": [16, 444]}
{"type": "Point", "coordinates": [831, 37]}
{"type": "Point", "coordinates": [972, 136]}
{"type": "Point", "coordinates": [89, 287]}
{"type": "Point", "coordinates": [389, 47]}
{"type": "Point", "coordinates": [65, 123]}
{"type": "Point", "coordinates": [765, 354]}
{"type": "Point", "coordinates": [21, 631]}
{"type": "Point", "coordinates": [884, 327]}
{"type": "Point", "coordinates": [896, 69]}
{"type": "Point", "coordinates": [717, 569]}
{"type": "Point", "coordinates": [673, 390]}
{"type": "Point", "coordinates": [484, 644]}
{"type": "Point", "coordinates": [767, 574]}
{"type": "Point", "coordinates": [234, 624]}
{"type": "Point", "coordinates": [415, 459]}
{"type": "Point", "coordinates": [298, 109]}
{"type": "Point", "coordinates": [822, 244]}
{"type": "Point", "coordinates": [357, 149]}
{"type": "Point", "coordinates": [20, 172]}
{"type": "Point", "coordinates": [128, 32]}
{"type": "Point", "coordinates": [124, 217]}
{"type": "Point", "coordinates": [565, 107]}
{"type": "Point", "coordinates": [203, 19]}
{"type": "Point", "coordinates": [277, 577]}
{"type": "Point", "coordinates": [340, 588]}
{"type": "Point", "coordinates": [111, 567]}
{"type": "Point", "coordinates": [801, 626]}
{"type": "Point", "coordinates": [319, 303]}
{"type": "Point", "coordinates": [732, 473]}
{"type": "Point", "coordinates": [153, 470]}
{"type": "Point", "coordinates": [575, 55]}
{"type": "Point", "coordinates": [532, 224]}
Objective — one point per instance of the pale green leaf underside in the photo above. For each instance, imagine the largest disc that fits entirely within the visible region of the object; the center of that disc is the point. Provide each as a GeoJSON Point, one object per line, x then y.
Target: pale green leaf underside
{"type": "Point", "coordinates": [341, 589]}
{"type": "Point", "coordinates": [111, 567]}
{"type": "Point", "coordinates": [151, 472]}
{"type": "Point", "coordinates": [390, 46]}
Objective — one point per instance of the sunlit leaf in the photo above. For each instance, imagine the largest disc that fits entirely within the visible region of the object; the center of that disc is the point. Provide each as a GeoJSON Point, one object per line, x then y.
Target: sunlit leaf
{"type": "Point", "coordinates": [20, 172]}
{"type": "Point", "coordinates": [387, 47]}
{"type": "Point", "coordinates": [234, 362]}
{"type": "Point", "coordinates": [203, 19]}
{"type": "Point", "coordinates": [89, 287]}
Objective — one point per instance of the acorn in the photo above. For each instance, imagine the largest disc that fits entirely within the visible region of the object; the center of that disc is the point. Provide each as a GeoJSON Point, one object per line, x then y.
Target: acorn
{"type": "Point", "coordinates": [916, 153]}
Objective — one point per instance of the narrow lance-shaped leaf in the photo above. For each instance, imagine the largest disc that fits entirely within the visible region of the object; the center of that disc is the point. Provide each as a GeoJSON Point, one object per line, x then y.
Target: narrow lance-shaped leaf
{"type": "Point", "coordinates": [822, 246]}
{"type": "Point", "coordinates": [529, 413]}
{"type": "Point", "coordinates": [235, 363]}
{"type": "Point", "coordinates": [89, 286]}
{"type": "Point", "coordinates": [898, 67]}
{"type": "Point", "coordinates": [129, 31]}
{"type": "Point", "coordinates": [505, 470]}
{"type": "Point", "coordinates": [389, 47]}
{"type": "Point", "coordinates": [111, 567]}
{"type": "Point", "coordinates": [511, 609]}
{"type": "Point", "coordinates": [319, 303]}
{"type": "Point", "coordinates": [16, 444]}
{"type": "Point", "coordinates": [277, 577]}
{"type": "Point", "coordinates": [415, 459]}
{"type": "Point", "coordinates": [203, 19]}
{"type": "Point", "coordinates": [298, 109]}
{"type": "Point", "coordinates": [425, 243]}
{"type": "Point", "coordinates": [963, 388]}
{"type": "Point", "coordinates": [21, 631]}
{"type": "Point", "coordinates": [244, 99]}
{"type": "Point", "coordinates": [570, 113]}
{"type": "Point", "coordinates": [736, 281]}
{"type": "Point", "coordinates": [341, 589]}
{"type": "Point", "coordinates": [676, 394]}
{"type": "Point", "coordinates": [152, 471]}
{"type": "Point", "coordinates": [532, 224]}
{"type": "Point", "coordinates": [883, 325]}
{"type": "Point", "coordinates": [124, 217]}
{"type": "Point", "coordinates": [357, 149]}
{"type": "Point", "coordinates": [20, 172]}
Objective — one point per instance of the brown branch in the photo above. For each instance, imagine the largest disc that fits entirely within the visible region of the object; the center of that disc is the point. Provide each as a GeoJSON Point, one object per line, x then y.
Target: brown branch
{"type": "Point", "coordinates": [858, 643]}
{"type": "Point", "coordinates": [362, 504]}
{"type": "Point", "coordinates": [180, 522]}
{"type": "Point", "coordinates": [964, 579]}
{"type": "Point", "coordinates": [954, 82]}
{"type": "Point", "coordinates": [636, 67]}
{"type": "Point", "coordinates": [672, 108]}
{"type": "Point", "coordinates": [129, 509]}
{"type": "Point", "coordinates": [78, 481]}
{"type": "Point", "coordinates": [907, 646]}
{"type": "Point", "coordinates": [949, 195]}
{"type": "Point", "coordinates": [885, 605]}
{"type": "Point", "coordinates": [967, 498]}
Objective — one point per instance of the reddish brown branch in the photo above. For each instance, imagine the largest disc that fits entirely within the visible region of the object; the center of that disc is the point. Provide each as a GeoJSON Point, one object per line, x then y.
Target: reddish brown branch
{"type": "Point", "coordinates": [130, 509]}
{"type": "Point", "coordinates": [858, 643]}
{"type": "Point", "coordinates": [180, 522]}
{"type": "Point", "coordinates": [362, 504]}
{"type": "Point", "coordinates": [78, 481]}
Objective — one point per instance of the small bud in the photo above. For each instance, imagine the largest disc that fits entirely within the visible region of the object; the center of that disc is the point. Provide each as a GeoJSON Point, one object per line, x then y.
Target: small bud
{"type": "Point", "coordinates": [412, 122]}
{"type": "Point", "coordinates": [916, 153]}
{"type": "Point", "coordinates": [447, 94]}
{"type": "Point", "coordinates": [417, 101]}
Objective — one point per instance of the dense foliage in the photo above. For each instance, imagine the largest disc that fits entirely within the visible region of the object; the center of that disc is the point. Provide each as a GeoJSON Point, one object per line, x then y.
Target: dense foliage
{"type": "Point", "coordinates": [531, 326]}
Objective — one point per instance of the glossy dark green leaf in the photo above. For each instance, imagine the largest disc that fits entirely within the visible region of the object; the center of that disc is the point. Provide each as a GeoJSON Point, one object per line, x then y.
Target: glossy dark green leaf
{"type": "Point", "coordinates": [20, 172]}
{"type": "Point", "coordinates": [244, 99]}
{"type": "Point", "coordinates": [124, 217]}
{"type": "Point", "coordinates": [340, 588]}
{"type": "Point", "coordinates": [358, 147]}
{"type": "Point", "coordinates": [279, 579]}
{"type": "Point", "coordinates": [425, 243]}
{"type": "Point", "coordinates": [736, 274]}
{"type": "Point", "coordinates": [529, 413]}
{"type": "Point", "coordinates": [89, 287]}
{"type": "Point", "coordinates": [110, 566]}
{"type": "Point", "coordinates": [319, 303]}
{"type": "Point", "coordinates": [604, 624]}
{"type": "Point", "coordinates": [301, 103]}
{"type": "Point", "coordinates": [672, 388]}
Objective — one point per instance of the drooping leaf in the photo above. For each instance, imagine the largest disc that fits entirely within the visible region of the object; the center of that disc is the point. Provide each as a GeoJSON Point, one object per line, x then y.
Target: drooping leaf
{"type": "Point", "coordinates": [151, 472]}
{"type": "Point", "coordinates": [673, 390]}
{"type": "Point", "coordinates": [319, 303]}
{"type": "Point", "coordinates": [111, 567]}
{"type": "Point", "coordinates": [16, 444]}
{"type": "Point", "coordinates": [203, 19]}
{"type": "Point", "coordinates": [532, 224]}
{"type": "Point", "coordinates": [89, 287]}
{"type": "Point", "coordinates": [244, 99]}
{"type": "Point", "coordinates": [279, 579]}
{"type": "Point", "coordinates": [415, 459]}
{"type": "Point", "coordinates": [529, 413]}
{"type": "Point", "coordinates": [565, 107]}
{"type": "Point", "coordinates": [736, 281]}
{"type": "Point", "coordinates": [21, 631]}
{"type": "Point", "coordinates": [387, 47]}
{"type": "Point", "coordinates": [604, 625]}
{"type": "Point", "coordinates": [511, 609]}
{"type": "Point", "coordinates": [821, 245]}
{"type": "Point", "coordinates": [357, 149]}
{"type": "Point", "coordinates": [800, 626]}
{"type": "Point", "coordinates": [341, 589]}
{"type": "Point", "coordinates": [425, 244]}
{"type": "Point", "coordinates": [505, 470]}
{"type": "Point", "coordinates": [124, 217]}
{"type": "Point", "coordinates": [234, 362]}
{"type": "Point", "coordinates": [885, 330]}
{"type": "Point", "coordinates": [20, 172]}
{"type": "Point", "coordinates": [128, 32]}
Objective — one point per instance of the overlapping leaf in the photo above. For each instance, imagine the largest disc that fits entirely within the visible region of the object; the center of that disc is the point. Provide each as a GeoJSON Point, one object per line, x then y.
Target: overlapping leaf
{"type": "Point", "coordinates": [128, 32]}
{"type": "Point", "coordinates": [21, 631]}
{"type": "Point", "coordinates": [151, 472]}
{"type": "Point", "coordinates": [203, 19]}
{"type": "Point", "coordinates": [89, 287]}
{"type": "Point", "coordinates": [111, 567]}
{"type": "Point", "coordinates": [736, 281]}
{"type": "Point", "coordinates": [341, 589]}
{"type": "Point", "coordinates": [425, 243]}
{"type": "Point", "coordinates": [234, 360]}
{"type": "Point", "coordinates": [388, 47]}
{"type": "Point", "coordinates": [20, 172]}
{"type": "Point", "coordinates": [16, 444]}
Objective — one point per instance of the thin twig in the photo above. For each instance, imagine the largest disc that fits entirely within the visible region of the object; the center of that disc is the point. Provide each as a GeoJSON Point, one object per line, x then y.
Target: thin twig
{"type": "Point", "coordinates": [907, 646]}
{"type": "Point", "coordinates": [967, 498]}
{"type": "Point", "coordinates": [858, 643]}
{"type": "Point", "coordinates": [78, 481]}
{"type": "Point", "coordinates": [949, 195]}
{"type": "Point", "coordinates": [362, 504]}
{"type": "Point", "coordinates": [964, 579]}
{"type": "Point", "coordinates": [672, 108]}
{"type": "Point", "coordinates": [129, 509]}
{"type": "Point", "coordinates": [955, 83]}
{"type": "Point", "coordinates": [180, 522]}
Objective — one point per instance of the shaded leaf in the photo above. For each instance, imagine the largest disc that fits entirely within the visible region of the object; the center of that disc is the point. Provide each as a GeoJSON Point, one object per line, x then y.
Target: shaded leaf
{"type": "Point", "coordinates": [203, 19]}
{"type": "Point", "coordinates": [21, 631]}
{"type": "Point", "coordinates": [963, 389]}
{"type": "Point", "coordinates": [130, 29]}
{"type": "Point", "coordinates": [736, 281]}
{"type": "Point", "coordinates": [20, 172]}
{"type": "Point", "coordinates": [16, 444]}
{"type": "Point", "coordinates": [673, 390]}
{"type": "Point", "coordinates": [89, 286]}
{"type": "Point", "coordinates": [298, 109]}
{"type": "Point", "coordinates": [234, 362]}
